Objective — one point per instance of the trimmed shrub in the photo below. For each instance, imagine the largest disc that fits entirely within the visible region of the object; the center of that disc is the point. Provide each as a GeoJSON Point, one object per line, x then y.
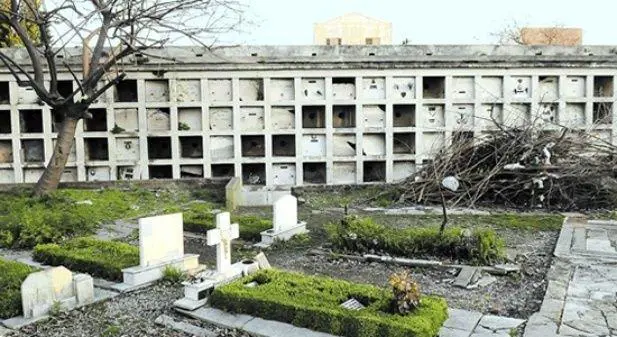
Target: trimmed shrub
{"type": "Point", "coordinates": [12, 275]}
{"type": "Point", "coordinates": [198, 218]}
{"type": "Point", "coordinates": [480, 245]}
{"type": "Point", "coordinates": [104, 259]}
{"type": "Point", "coordinates": [314, 302]}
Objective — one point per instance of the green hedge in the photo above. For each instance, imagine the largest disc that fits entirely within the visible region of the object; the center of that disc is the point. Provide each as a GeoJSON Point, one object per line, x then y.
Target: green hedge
{"type": "Point", "coordinates": [198, 218]}
{"type": "Point", "coordinates": [314, 302]}
{"type": "Point", "coordinates": [12, 275]}
{"type": "Point", "coordinates": [481, 245]}
{"type": "Point", "coordinates": [104, 259]}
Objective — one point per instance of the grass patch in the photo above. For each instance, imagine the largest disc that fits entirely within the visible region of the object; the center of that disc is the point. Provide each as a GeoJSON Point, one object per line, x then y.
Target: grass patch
{"type": "Point", "coordinates": [478, 245]}
{"type": "Point", "coordinates": [198, 218]}
{"type": "Point", "coordinates": [12, 274]}
{"type": "Point", "coordinates": [173, 275]}
{"type": "Point", "coordinates": [314, 302]}
{"type": "Point", "coordinates": [104, 259]}
{"type": "Point", "coordinates": [26, 221]}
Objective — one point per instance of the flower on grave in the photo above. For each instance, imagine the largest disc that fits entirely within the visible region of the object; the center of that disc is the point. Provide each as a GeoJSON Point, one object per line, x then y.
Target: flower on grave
{"type": "Point", "coordinates": [406, 292]}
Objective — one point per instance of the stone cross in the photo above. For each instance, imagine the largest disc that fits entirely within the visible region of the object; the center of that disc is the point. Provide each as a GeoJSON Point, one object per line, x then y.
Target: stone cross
{"type": "Point", "coordinates": [221, 236]}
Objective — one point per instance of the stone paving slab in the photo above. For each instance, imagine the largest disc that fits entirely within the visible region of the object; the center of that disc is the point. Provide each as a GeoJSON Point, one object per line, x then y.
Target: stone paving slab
{"type": "Point", "coordinates": [462, 320]}
{"type": "Point", "coordinates": [190, 329]}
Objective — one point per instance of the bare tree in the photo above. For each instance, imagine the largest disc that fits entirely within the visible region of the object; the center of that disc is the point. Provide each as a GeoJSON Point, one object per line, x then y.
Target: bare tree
{"type": "Point", "coordinates": [509, 34]}
{"type": "Point", "coordinates": [109, 31]}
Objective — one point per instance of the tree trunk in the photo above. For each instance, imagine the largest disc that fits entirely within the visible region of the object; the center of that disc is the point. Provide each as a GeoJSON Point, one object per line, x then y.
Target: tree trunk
{"type": "Point", "coordinates": [51, 177]}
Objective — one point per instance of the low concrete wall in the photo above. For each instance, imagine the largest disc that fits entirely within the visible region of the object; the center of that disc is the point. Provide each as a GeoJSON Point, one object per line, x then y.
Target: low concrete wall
{"type": "Point", "coordinates": [233, 194]}
{"type": "Point", "coordinates": [253, 197]}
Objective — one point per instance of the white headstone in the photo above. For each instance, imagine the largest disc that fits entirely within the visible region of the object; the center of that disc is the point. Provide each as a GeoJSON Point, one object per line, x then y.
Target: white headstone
{"type": "Point", "coordinates": [221, 236]}
{"type": "Point", "coordinates": [84, 288]}
{"type": "Point", "coordinates": [160, 239]}
{"type": "Point", "coordinates": [42, 289]}
{"type": "Point", "coordinates": [285, 213]}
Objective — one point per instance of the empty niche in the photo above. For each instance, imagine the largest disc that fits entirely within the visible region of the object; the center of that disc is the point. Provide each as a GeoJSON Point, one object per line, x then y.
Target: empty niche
{"type": "Point", "coordinates": [374, 144]}
{"type": "Point", "coordinates": [188, 91]}
{"type": "Point", "coordinates": [157, 90]}
{"type": "Point", "coordinates": [189, 119]}
{"type": "Point", "coordinates": [433, 87]}
{"type": "Point", "coordinates": [402, 170]}
{"type": "Point", "coordinates": [518, 115]}
{"type": "Point", "coordinates": [404, 143]}
{"type": "Point", "coordinates": [27, 95]}
{"type": "Point", "coordinates": [191, 147]}
{"type": "Point", "coordinates": [5, 121]}
{"type": "Point", "coordinates": [254, 174]}
{"type": "Point", "coordinates": [575, 87]}
{"type": "Point", "coordinates": [462, 137]}
{"type": "Point", "coordinates": [344, 145]}
{"type": "Point", "coordinates": [463, 88]}
{"type": "Point", "coordinates": [33, 150]}
{"type": "Point", "coordinates": [56, 120]}
{"type": "Point", "coordinates": [462, 115]}
{"type": "Point", "coordinates": [128, 173]}
{"type": "Point", "coordinates": [281, 89]}
{"type": "Point", "coordinates": [191, 171]}
{"type": "Point", "coordinates": [521, 87]}
{"type": "Point", "coordinates": [603, 113]}
{"type": "Point", "coordinates": [221, 118]}
{"type": "Point", "coordinates": [283, 118]}
{"type": "Point", "coordinates": [31, 121]}
{"type": "Point", "coordinates": [404, 115]}
{"type": "Point", "coordinates": [32, 175]}
{"type": "Point", "coordinates": [72, 154]}
{"type": "Point", "coordinates": [158, 119]}
{"type": "Point", "coordinates": [374, 171]}
{"type": "Point", "coordinates": [253, 146]}
{"type": "Point", "coordinates": [7, 176]}
{"type": "Point", "coordinates": [344, 116]}
{"type": "Point", "coordinates": [603, 86]}
{"type": "Point", "coordinates": [284, 145]}
{"type": "Point", "coordinates": [96, 149]}
{"type": "Point", "coordinates": [127, 149]}
{"type": "Point", "coordinates": [126, 91]}
{"type": "Point", "coordinates": [6, 151]}
{"type": "Point", "coordinates": [313, 116]}
{"type": "Point", "coordinates": [488, 113]}
{"type": "Point", "coordinates": [374, 88]}
{"type": "Point", "coordinates": [313, 88]}
{"type": "Point", "coordinates": [221, 147]}
{"type": "Point", "coordinates": [98, 122]}
{"type": "Point", "coordinates": [344, 173]}
{"type": "Point", "coordinates": [490, 88]}
{"type": "Point", "coordinates": [432, 143]}
{"type": "Point", "coordinates": [434, 115]}
{"type": "Point", "coordinates": [548, 88]}
{"type": "Point", "coordinates": [574, 115]}
{"type": "Point", "coordinates": [252, 118]}
{"type": "Point", "coordinates": [374, 116]}
{"type": "Point", "coordinates": [314, 145]}
{"type": "Point", "coordinates": [284, 174]}
{"type": "Point", "coordinates": [314, 173]}
{"type": "Point", "coordinates": [222, 170]}
{"type": "Point", "coordinates": [159, 148]}
{"type": "Point", "coordinates": [65, 88]}
{"type": "Point", "coordinates": [126, 120]}
{"type": "Point", "coordinates": [160, 171]}
{"type": "Point", "coordinates": [344, 88]}
{"type": "Point", "coordinates": [403, 88]}
{"type": "Point", "coordinates": [251, 90]}
{"type": "Point", "coordinates": [5, 97]}
{"type": "Point", "coordinates": [548, 112]}
{"type": "Point", "coordinates": [220, 90]}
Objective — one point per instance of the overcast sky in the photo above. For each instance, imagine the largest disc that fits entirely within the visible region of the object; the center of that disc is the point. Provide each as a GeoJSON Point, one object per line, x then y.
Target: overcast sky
{"type": "Point", "coordinates": [431, 21]}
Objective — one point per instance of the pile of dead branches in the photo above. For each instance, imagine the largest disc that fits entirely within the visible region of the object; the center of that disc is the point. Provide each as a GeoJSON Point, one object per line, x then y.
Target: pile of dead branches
{"type": "Point", "coordinates": [522, 168]}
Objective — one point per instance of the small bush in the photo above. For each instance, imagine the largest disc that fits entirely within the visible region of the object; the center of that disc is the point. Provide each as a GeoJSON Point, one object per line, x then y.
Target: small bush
{"type": "Point", "coordinates": [481, 245]}
{"type": "Point", "coordinates": [104, 259]}
{"type": "Point", "coordinates": [12, 275]}
{"type": "Point", "coordinates": [314, 302]}
{"type": "Point", "coordinates": [406, 292]}
{"type": "Point", "coordinates": [173, 275]}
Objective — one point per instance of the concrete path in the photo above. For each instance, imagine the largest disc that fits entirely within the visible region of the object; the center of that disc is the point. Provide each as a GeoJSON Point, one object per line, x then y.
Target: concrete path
{"type": "Point", "coordinates": [581, 297]}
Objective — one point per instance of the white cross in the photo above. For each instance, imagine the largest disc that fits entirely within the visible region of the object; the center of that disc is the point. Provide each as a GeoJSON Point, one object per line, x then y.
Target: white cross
{"type": "Point", "coordinates": [221, 236]}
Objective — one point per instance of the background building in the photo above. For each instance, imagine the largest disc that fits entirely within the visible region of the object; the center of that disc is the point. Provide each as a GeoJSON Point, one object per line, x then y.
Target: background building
{"type": "Point", "coordinates": [353, 29]}
{"type": "Point", "coordinates": [283, 116]}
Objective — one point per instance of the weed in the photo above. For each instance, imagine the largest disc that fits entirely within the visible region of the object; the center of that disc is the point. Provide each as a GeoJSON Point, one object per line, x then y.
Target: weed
{"type": "Point", "coordinates": [111, 331]}
{"type": "Point", "coordinates": [56, 309]}
{"type": "Point", "coordinates": [173, 275]}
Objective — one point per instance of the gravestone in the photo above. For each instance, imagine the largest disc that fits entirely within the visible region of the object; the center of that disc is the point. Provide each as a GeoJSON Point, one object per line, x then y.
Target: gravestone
{"type": "Point", "coordinates": [41, 290]}
{"type": "Point", "coordinates": [284, 222]}
{"type": "Point", "coordinates": [161, 245]}
{"type": "Point", "coordinates": [221, 236]}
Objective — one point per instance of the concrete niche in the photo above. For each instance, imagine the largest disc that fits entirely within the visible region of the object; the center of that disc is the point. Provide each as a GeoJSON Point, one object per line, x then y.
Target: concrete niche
{"type": "Point", "coordinates": [402, 170]}
{"type": "Point", "coordinates": [252, 118]}
{"type": "Point", "coordinates": [314, 145]}
{"type": "Point", "coordinates": [189, 117]}
{"type": "Point", "coordinates": [284, 174]}
{"type": "Point", "coordinates": [314, 173]}
{"type": "Point", "coordinates": [251, 90]}
{"type": "Point", "coordinates": [487, 113]}
{"type": "Point", "coordinates": [344, 88]}
{"type": "Point", "coordinates": [463, 88]}
{"type": "Point", "coordinates": [283, 118]}
{"type": "Point", "coordinates": [374, 144]}
{"type": "Point", "coordinates": [548, 88]}
{"type": "Point", "coordinates": [220, 90]}
{"type": "Point", "coordinates": [127, 149]}
{"type": "Point", "coordinates": [281, 89]}
{"type": "Point", "coordinates": [434, 115]}
{"type": "Point", "coordinates": [313, 89]}
{"type": "Point", "coordinates": [575, 87]}
{"type": "Point", "coordinates": [462, 115]}
{"type": "Point", "coordinates": [374, 116]}
{"type": "Point", "coordinates": [344, 173]}
{"type": "Point", "coordinates": [403, 88]}
{"type": "Point", "coordinates": [158, 119]}
{"type": "Point", "coordinates": [344, 116]}
{"type": "Point", "coordinates": [344, 145]}
{"type": "Point", "coordinates": [221, 147]}
{"type": "Point", "coordinates": [490, 88]}
{"type": "Point", "coordinates": [188, 91]}
{"type": "Point", "coordinates": [221, 118]}
{"type": "Point", "coordinates": [374, 88]}
{"type": "Point", "coordinates": [6, 151]}
{"type": "Point", "coordinates": [157, 90]}
{"type": "Point", "coordinates": [520, 87]}
{"type": "Point", "coordinates": [574, 115]}
{"type": "Point", "coordinates": [127, 119]}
